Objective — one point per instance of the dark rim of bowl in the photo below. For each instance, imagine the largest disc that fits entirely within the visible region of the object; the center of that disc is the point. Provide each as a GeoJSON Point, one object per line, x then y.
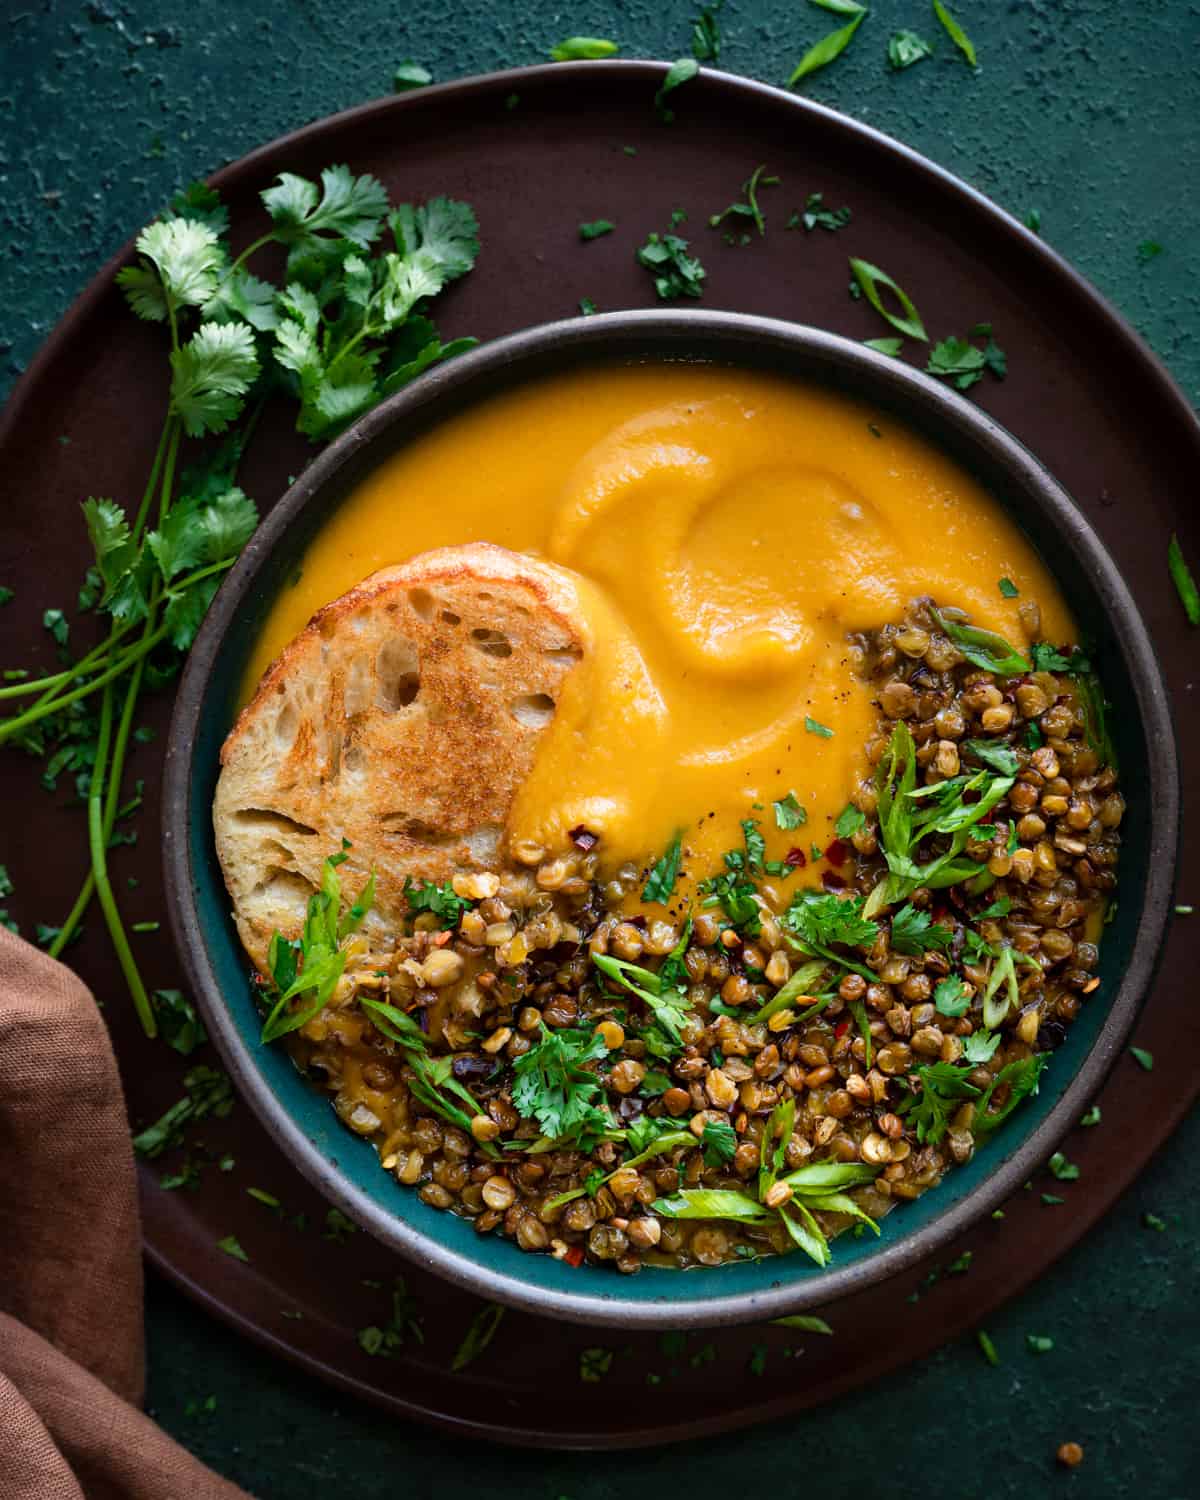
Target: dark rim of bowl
{"type": "Point", "coordinates": [649, 335]}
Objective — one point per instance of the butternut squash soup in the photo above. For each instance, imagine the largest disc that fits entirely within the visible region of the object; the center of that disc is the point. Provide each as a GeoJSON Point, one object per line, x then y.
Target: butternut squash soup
{"type": "Point", "coordinates": [735, 530]}
{"type": "Point", "coordinates": [684, 829]}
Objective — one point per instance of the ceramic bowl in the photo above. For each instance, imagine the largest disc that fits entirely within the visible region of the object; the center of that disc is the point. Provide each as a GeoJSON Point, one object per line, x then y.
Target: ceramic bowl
{"type": "Point", "coordinates": [300, 1119]}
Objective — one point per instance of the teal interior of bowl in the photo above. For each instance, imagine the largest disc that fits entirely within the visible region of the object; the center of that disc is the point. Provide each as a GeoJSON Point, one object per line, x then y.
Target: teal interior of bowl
{"type": "Point", "coordinates": [356, 1159]}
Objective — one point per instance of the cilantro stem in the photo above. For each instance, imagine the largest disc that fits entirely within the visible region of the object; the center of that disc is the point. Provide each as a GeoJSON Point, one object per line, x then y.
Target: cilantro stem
{"type": "Point", "coordinates": [108, 904]}
{"type": "Point", "coordinates": [77, 669]}
{"type": "Point", "coordinates": [9, 727]}
{"type": "Point", "coordinates": [152, 482]}
{"type": "Point", "coordinates": [247, 253]}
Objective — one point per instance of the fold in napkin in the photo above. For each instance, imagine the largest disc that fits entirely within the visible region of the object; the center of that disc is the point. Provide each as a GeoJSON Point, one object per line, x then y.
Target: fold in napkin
{"type": "Point", "coordinates": [71, 1352]}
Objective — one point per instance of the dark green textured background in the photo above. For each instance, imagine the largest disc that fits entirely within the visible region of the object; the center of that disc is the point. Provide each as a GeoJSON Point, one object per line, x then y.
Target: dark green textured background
{"type": "Point", "coordinates": [1088, 110]}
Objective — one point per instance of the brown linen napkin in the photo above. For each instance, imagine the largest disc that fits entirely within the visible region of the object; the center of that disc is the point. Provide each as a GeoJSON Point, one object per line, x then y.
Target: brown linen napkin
{"type": "Point", "coordinates": [71, 1353]}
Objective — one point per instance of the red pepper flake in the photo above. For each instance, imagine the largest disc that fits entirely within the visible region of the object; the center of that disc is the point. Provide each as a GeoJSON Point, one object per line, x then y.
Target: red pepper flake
{"type": "Point", "coordinates": [583, 838]}
{"type": "Point", "coordinates": [842, 1027]}
{"type": "Point", "coordinates": [796, 858]}
{"type": "Point", "coordinates": [832, 882]}
{"type": "Point", "coordinates": [574, 1256]}
{"type": "Point", "coordinates": [837, 853]}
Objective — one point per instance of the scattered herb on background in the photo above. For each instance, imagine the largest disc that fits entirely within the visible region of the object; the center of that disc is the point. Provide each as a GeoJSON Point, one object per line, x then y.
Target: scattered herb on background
{"type": "Point", "coordinates": [1033, 220]}
{"type": "Point", "coordinates": [1184, 911]}
{"type": "Point", "coordinates": [706, 34]}
{"type": "Point", "coordinates": [1091, 1116]}
{"type": "Point", "coordinates": [594, 1364]}
{"type": "Point", "coordinates": [478, 1336]}
{"type": "Point", "coordinates": [595, 228]}
{"type": "Point", "coordinates": [817, 216]}
{"type": "Point", "coordinates": [964, 363]}
{"type": "Point", "coordinates": [1152, 1221]}
{"type": "Point", "coordinates": [676, 273]}
{"type": "Point", "coordinates": [410, 75]}
{"type": "Point", "coordinates": [831, 46]}
{"type": "Point", "coordinates": [1038, 1343]}
{"type": "Point", "coordinates": [1144, 1058]}
{"type": "Point", "coordinates": [404, 1323]}
{"type": "Point", "coordinates": [1064, 1170]}
{"type": "Point", "coordinates": [1008, 588]}
{"type": "Point", "coordinates": [231, 1246]}
{"type": "Point", "coordinates": [580, 48]}
{"type": "Point", "coordinates": [178, 1023]}
{"type": "Point", "coordinates": [1052, 1200]}
{"type": "Point", "coordinates": [870, 279]}
{"type": "Point", "coordinates": [586, 307]}
{"type": "Point", "coordinates": [440, 901]}
{"type": "Point", "coordinates": [338, 1228]}
{"type": "Point", "coordinates": [813, 727]}
{"type": "Point", "coordinates": [850, 820]}
{"type": "Point", "coordinates": [1147, 250]}
{"type": "Point", "coordinates": [955, 32]}
{"type": "Point", "coordinates": [987, 1347]}
{"type": "Point", "coordinates": [805, 1322]}
{"type": "Point", "coordinates": [682, 71]}
{"type": "Point", "coordinates": [208, 1092]}
{"type": "Point", "coordinates": [906, 48]}
{"type": "Point", "coordinates": [788, 813]}
{"type": "Point", "coordinates": [890, 346]}
{"type": "Point", "coordinates": [1185, 584]}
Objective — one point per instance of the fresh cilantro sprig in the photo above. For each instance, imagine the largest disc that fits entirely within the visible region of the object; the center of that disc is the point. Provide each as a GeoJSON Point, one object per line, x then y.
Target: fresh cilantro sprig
{"type": "Point", "coordinates": [556, 1086]}
{"type": "Point", "coordinates": [347, 327]}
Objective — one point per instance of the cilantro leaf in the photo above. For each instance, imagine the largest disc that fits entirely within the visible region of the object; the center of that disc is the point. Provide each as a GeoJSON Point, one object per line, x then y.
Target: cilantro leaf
{"type": "Point", "coordinates": [344, 206]}
{"type": "Point", "coordinates": [817, 216]}
{"type": "Point", "coordinates": [822, 731]}
{"type": "Point", "coordinates": [660, 883]}
{"type": "Point", "coordinates": [1048, 658]}
{"type": "Point", "coordinates": [706, 34]}
{"type": "Point", "coordinates": [756, 846]}
{"type": "Point", "coordinates": [950, 996]}
{"type": "Point", "coordinates": [201, 204]}
{"type": "Point", "coordinates": [906, 48]}
{"type": "Point", "coordinates": [980, 1046]}
{"type": "Point", "coordinates": [958, 360]}
{"type": "Point", "coordinates": [410, 75]}
{"type": "Point", "coordinates": [178, 1024]}
{"type": "Point", "coordinates": [998, 757]}
{"type": "Point", "coordinates": [211, 374]}
{"type": "Point", "coordinates": [788, 813]}
{"type": "Point", "coordinates": [1021, 1079]}
{"type": "Point", "coordinates": [594, 228]}
{"type": "Point", "coordinates": [850, 820]}
{"type": "Point", "coordinates": [181, 260]}
{"type": "Point", "coordinates": [555, 1087]}
{"type": "Point", "coordinates": [823, 918]}
{"type": "Point", "coordinates": [737, 898]}
{"type": "Point", "coordinates": [943, 1087]}
{"type": "Point", "coordinates": [719, 1142]}
{"type": "Point", "coordinates": [445, 230]}
{"type": "Point", "coordinates": [915, 932]}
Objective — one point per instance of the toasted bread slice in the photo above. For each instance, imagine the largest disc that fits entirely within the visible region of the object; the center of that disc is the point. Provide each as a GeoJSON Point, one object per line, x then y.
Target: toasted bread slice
{"type": "Point", "coordinates": [403, 719]}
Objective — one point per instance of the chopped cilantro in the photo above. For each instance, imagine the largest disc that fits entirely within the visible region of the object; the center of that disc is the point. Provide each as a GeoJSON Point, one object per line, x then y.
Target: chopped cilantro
{"type": "Point", "coordinates": [594, 1364]}
{"type": "Point", "coordinates": [586, 307]}
{"type": "Point", "coordinates": [747, 206]}
{"type": "Point", "coordinates": [676, 273]}
{"type": "Point", "coordinates": [1063, 1169]}
{"type": "Point", "coordinates": [178, 1024]}
{"type": "Point", "coordinates": [231, 1246]}
{"type": "Point", "coordinates": [963, 363]}
{"type": "Point", "coordinates": [813, 727]}
{"type": "Point", "coordinates": [719, 1142]}
{"type": "Point", "coordinates": [1048, 658]}
{"type": "Point", "coordinates": [1143, 1058]}
{"type": "Point", "coordinates": [943, 1087]}
{"type": "Point", "coordinates": [1152, 1221]}
{"type": "Point", "coordinates": [1052, 1200]}
{"type": "Point", "coordinates": [788, 813]}
{"type": "Point", "coordinates": [891, 346]}
{"type": "Point", "coordinates": [906, 48]}
{"type": "Point", "coordinates": [1008, 588]}
{"type": "Point", "coordinates": [817, 216]}
{"type": "Point", "coordinates": [1037, 1343]}
{"type": "Point", "coordinates": [999, 757]}
{"type": "Point", "coordinates": [593, 229]}
{"type": "Point", "coordinates": [823, 918]}
{"type": "Point", "coordinates": [6, 885]}
{"type": "Point", "coordinates": [1147, 250]}
{"type": "Point", "coordinates": [706, 34]}
{"type": "Point", "coordinates": [1033, 220]}
{"type": "Point", "coordinates": [756, 846]}
{"type": "Point", "coordinates": [555, 1087]}
{"type": "Point", "coordinates": [338, 1228]}
{"type": "Point", "coordinates": [208, 1092]}
{"type": "Point", "coordinates": [426, 895]}
{"type": "Point", "coordinates": [660, 883]}
{"type": "Point", "coordinates": [1091, 1117]}
{"type": "Point", "coordinates": [850, 820]}
{"type": "Point", "coordinates": [915, 932]}
{"type": "Point", "coordinates": [980, 1046]}
{"type": "Point", "coordinates": [7, 595]}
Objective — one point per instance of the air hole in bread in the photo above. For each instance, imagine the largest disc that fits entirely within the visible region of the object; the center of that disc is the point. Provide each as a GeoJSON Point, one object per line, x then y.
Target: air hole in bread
{"type": "Point", "coordinates": [262, 818]}
{"type": "Point", "coordinates": [422, 602]}
{"type": "Point", "coordinates": [397, 674]}
{"type": "Point", "coordinates": [356, 696]}
{"type": "Point", "coordinates": [485, 597]}
{"type": "Point", "coordinates": [534, 710]}
{"type": "Point", "coordinates": [283, 889]}
{"type": "Point", "coordinates": [492, 642]}
{"type": "Point", "coordinates": [451, 618]}
{"type": "Point", "coordinates": [565, 656]}
{"type": "Point", "coordinates": [286, 726]}
{"type": "Point", "coordinates": [353, 759]}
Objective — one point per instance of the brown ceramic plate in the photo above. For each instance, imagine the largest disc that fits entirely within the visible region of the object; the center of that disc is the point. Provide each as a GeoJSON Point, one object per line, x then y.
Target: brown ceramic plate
{"type": "Point", "coordinates": [1083, 393]}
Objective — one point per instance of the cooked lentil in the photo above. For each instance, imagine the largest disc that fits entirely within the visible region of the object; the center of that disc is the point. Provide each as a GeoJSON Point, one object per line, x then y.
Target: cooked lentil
{"type": "Point", "coordinates": [742, 1055]}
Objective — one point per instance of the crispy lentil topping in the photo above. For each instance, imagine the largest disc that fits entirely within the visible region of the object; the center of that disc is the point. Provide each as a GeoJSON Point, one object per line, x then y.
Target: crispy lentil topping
{"type": "Point", "coordinates": [778, 1062]}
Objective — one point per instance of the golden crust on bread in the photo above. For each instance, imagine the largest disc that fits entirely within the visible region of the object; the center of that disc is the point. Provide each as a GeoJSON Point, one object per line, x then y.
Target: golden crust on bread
{"type": "Point", "coordinates": [403, 719]}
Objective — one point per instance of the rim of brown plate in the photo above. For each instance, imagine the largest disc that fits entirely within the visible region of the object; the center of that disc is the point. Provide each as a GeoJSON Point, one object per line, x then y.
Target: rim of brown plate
{"type": "Point", "coordinates": [1152, 369]}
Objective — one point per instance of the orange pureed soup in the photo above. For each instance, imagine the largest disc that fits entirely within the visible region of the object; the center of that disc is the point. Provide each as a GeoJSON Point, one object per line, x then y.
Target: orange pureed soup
{"type": "Point", "coordinates": [731, 529]}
